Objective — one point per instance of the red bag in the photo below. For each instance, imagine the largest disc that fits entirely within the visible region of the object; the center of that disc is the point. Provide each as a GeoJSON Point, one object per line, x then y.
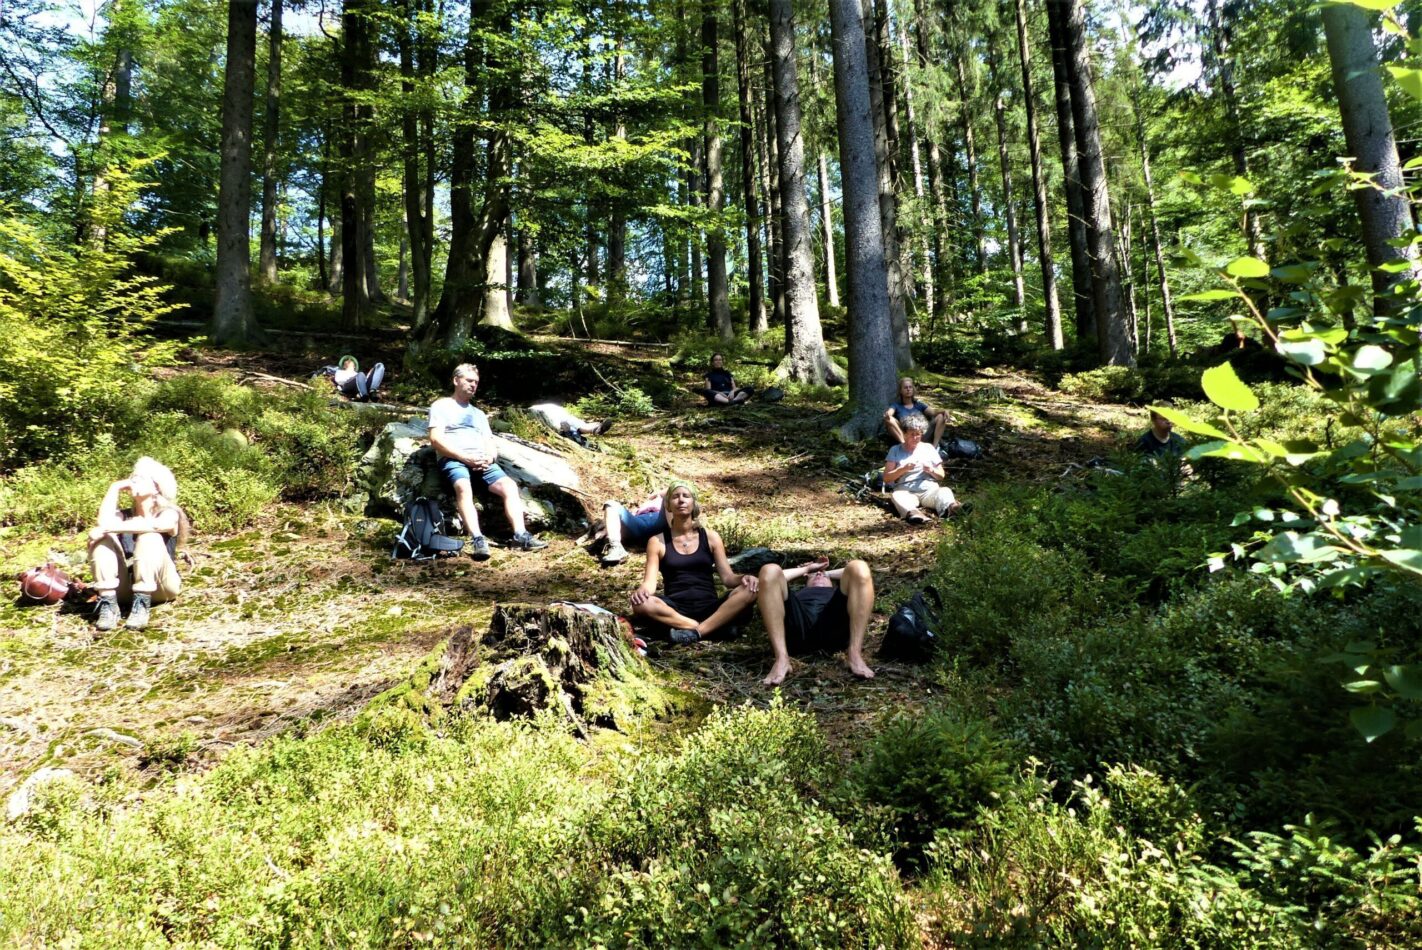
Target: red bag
{"type": "Point", "coordinates": [49, 585]}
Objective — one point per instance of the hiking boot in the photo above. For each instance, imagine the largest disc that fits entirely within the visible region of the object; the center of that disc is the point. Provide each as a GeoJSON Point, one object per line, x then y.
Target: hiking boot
{"type": "Point", "coordinates": [138, 613]}
{"type": "Point", "coordinates": [525, 541]}
{"type": "Point", "coordinates": [478, 547]}
{"type": "Point", "coordinates": [108, 617]}
{"type": "Point", "coordinates": [683, 637]}
{"type": "Point", "coordinates": [615, 554]}
{"type": "Point", "coordinates": [604, 426]}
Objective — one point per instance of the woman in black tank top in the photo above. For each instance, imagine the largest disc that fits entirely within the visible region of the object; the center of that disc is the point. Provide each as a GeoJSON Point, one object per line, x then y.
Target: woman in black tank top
{"type": "Point", "coordinates": [687, 556]}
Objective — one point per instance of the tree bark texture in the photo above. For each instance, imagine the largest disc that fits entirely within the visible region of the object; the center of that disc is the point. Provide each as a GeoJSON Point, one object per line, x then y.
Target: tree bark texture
{"type": "Point", "coordinates": [267, 257]}
{"type": "Point", "coordinates": [970, 158]}
{"type": "Point", "coordinates": [827, 233]}
{"type": "Point", "coordinates": [807, 361]}
{"type": "Point", "coordinates": [937, 209]}
{"type": "Point", "coordinates": [417, 212]}
{"type": "Point", "coordinates": [1009, 206]}
{"type": "Point", "coordinates": [1367, 127]}
{"type": "Point", "coordinates": [755, 279]}
{"type": "Point", "coordinates": [776, 229]}
{"type": "Point", "coordinates": [1050, 300]}
{"type": "Point", "coordinates": [718, 288]}
{"type": "Point", "coordinates": [355, 288]}
{"type": "Point", "coordinates": [1167, 305]}
{"type": "Point", "coordinates": [871, 355]}
{"type": "Point", "coordinates": [915, 152]}
{"type": "Point", "coordinates": [232, 319]}
{"type": "Point", "coordinates": [1083, 301]}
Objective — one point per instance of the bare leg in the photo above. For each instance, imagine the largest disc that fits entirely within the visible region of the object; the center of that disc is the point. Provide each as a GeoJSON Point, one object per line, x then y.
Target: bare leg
{"type": "Point", "coordinates": [507, 489]}
{"type": "Point", "coordinates": [659, 611]}
{"type": "Point", "coordinates": [771, 599]}
{"type": "Point", "coordinates": [858, 585]}
{"type": "Point", "coordinates": [896, 431]}
{"type": "Point", "coordinates": [464, 501]}
{"type": "Point", "coordinates": [739, 600]}
{"type": "Point", "coordinates": [940, 421]}
{"type": "Point", "coordinates": [721, 399]}
{"type": "Point", "coordinates": [611, 525]}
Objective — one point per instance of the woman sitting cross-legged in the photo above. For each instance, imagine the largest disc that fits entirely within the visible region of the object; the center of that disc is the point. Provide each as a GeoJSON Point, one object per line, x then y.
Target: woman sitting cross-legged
{"type": "Point", "coordinates": [912, 471]}
{"type": "Point", "coordinates": [721, 388]}
{"type": "Point", "coordinates": [132, 549]}
{"type": "Point", "coordinates": [687, 556]}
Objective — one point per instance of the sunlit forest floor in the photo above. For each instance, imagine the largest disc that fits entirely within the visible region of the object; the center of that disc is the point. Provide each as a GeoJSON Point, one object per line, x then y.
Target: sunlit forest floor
{"type": "Point", "coordinates": [303, 617]}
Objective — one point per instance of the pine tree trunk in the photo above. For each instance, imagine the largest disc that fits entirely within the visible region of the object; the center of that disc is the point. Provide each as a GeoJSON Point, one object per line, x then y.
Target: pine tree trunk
{"type": "Point", "coordinates": [937, 210]}
{"type": "Point", "coordinates": [807, 361]}
{"type": "Point", "coordinates": [970, 158]}
{"type": "Point", "coordinates": [355, 299]}
{"type": "Point", "coordinates": [1113, 333]}
{"type": "Point", "coordinates": [232, 319]}
{"type": "Point", "coordinates": [899, 289]}
{"type": "Point", "coordinates": [1367, 127]}
{"type": "Point", "coordinates": [1083, 301]}
{"type": "Point", "coordinates": [827, 233]}
{"type": "Point", "coordinates": [494, 216]}
{"type": "Point", "coordinates": [1009, 206]}
{"type": "Point", "coordinates": [1039, 190]}
{"type": "Point", "coordinates": [413, 182]}
{"type": "Point", "coordinates": [528, 295]}
{"type": "Point", "coordinates": [694, 179]}
{"type": "Point", "coordinates": [871, 353]}
{"type": "Point", "coordinates": [1223, 56]}
{"type": "Point", "coordinates": [718, 288]}
{"type": "Point", "coordinates": [777, 210]}
{"type": "Point", "coordinates": [402, 269]}
{"type": "Point", "coordinates": [267, 256]}
{"type": "Point", "coordinates": [755, 302]}
{"type": "Point", "coordinates": [617, 227]}
{"type": "Point", "coordinates": [1166, 305]}
{"type": "Point", "coordinates": [925, 222]}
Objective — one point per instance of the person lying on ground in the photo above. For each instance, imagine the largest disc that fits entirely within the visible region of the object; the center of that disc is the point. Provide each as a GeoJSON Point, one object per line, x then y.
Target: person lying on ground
{"type": "Point", "coordinates": [625, 528]}
{"type": "Point", "coordinates": [721, 388]}
{"type": "Point", "coordinates": [461, 436]}
{"type": "Point", "coordinates": [689, 557]}
{"type": "Point", "coordinates": [1160, 439]}
{"type": "Point", "coordinates": [819, 617]}
{"type": "Point", "coordinates": [351, 382]}
{"type": "Point", "coordinates": [563, 422]}
{"type": "Point", "coordinates": [906, 405]}
{"type": "Point", "coordinates": [132, 550]}
{"type": "Point", "coordinates": [912, 472]}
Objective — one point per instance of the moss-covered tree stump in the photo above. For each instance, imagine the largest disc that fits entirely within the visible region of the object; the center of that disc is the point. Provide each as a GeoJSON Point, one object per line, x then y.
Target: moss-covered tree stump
{"type": "Point", "coordinates": [533, 660]}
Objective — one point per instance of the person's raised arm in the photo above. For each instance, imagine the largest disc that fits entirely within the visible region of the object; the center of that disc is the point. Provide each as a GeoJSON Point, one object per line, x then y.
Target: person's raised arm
{"type": "Point", "coordinates": [809, 567]}
{"type": "Point", "coordinates": [648, 587]}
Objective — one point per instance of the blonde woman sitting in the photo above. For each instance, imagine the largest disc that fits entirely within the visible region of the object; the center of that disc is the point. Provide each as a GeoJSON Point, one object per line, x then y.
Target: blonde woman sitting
{"type": "Point", "coordinates": [131, 550]}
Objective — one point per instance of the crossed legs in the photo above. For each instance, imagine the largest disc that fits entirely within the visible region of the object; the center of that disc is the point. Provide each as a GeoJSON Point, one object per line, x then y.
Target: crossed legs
{"type": "Point", "coordinates": [659, 611]}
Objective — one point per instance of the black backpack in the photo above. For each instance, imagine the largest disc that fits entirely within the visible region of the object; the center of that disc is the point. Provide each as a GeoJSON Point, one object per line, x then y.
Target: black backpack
{"type": "Point", "coordinates": [422, 536]}
{"type": "Point", "coordinates": [912, 635]}
{"type": "Point", "coordinates": [960, 449]}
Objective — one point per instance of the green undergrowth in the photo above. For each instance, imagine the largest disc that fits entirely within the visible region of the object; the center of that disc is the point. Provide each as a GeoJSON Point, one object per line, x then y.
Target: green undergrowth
{"type": "Point", "coordinates": [484, 833]}
{"type": "Point", "coordinates": [233, 449]}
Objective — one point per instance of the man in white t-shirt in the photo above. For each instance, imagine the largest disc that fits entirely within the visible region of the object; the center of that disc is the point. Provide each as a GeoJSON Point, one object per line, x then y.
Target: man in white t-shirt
{"type": "Point", "coordinates": [912, 471]}
{"type": "Point", "coordinates": [461, 435]}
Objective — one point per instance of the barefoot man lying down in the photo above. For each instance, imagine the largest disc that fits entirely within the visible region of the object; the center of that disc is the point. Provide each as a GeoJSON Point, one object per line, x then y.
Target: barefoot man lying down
{"type": "Point", "coordinates": [820, 617]}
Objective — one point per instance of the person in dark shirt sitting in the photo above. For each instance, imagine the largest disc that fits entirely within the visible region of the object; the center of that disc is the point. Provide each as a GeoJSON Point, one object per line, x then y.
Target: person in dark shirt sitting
{"type": "Point", "coordinates": [906, 405]}
{"type": "Point", "coordinates": [1159, 439]}
{"type": "Point", "coordinates": [721, 388]}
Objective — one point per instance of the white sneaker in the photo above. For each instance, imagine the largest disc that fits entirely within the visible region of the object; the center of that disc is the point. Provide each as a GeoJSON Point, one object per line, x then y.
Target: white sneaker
{"type": "Point", "coordinates": [615, 554]}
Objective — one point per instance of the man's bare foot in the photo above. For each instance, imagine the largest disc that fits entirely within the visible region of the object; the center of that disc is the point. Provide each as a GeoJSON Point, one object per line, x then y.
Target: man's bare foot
{"type": "Point", "coordinates": [859, 668]}
{"type": "Point", "coordinates": [778, 672]}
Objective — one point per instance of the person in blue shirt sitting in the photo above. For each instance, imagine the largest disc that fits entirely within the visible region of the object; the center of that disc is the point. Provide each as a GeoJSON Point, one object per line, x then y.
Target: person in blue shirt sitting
{"type": "Point", "coordinates": [909, 404]}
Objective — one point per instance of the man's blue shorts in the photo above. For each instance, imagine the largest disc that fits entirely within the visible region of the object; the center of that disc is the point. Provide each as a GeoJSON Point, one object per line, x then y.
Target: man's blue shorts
{"type": "Point", "coordinates": [456, 471]}
{"type": "Point", "coordinates": [638, 529]}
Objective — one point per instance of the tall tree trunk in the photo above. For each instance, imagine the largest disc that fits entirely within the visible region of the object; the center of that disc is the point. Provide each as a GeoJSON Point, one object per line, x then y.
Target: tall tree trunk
{"type": "Point", "coordinates": [402, 269]}
{"type": "Point", "coordinates": [413, 182]}
{"type": "Point", "coordinates": [322, 279]}
{"type": "Point", "coordinates": [1009, 206]}
{"type": "Point", "coordinates": [970, 158]}
{"type": "Point", "coordinates": [778, 312]}
{"type": "Point", "coordinates": [1367, 127]}
{"type": "Point", "coordinates": [1113, 334]}
{"type": "Point", "coordinates": [355, 288]}
{"type": "Point", "coordinates": [494, 216]}
{"type": "Point", "coordinates": [528, 295]}
{"type": "Point", "coordinates": [871, 352]}
{"type": "Point", "coordinates": [1220, 50]}
{"type": "Point", "coordinates": [232, 319]}
{"type": "Point", "coordinates": [925, 217]}
{"type": "Point", "coordinates": [1166, 305]}
{"type": "Point", "coordinates": [617, 227]}
{"type": "Point", "coordinates": [113, 125]}
{"type": "Point", "coordinates": [1083, 300]}
{"type": "Point", "coordinates": [807, 361]}
{"type": "Point", "coordinates": [458, 307]}
{"type": "Point", "coordinates": [937, 210]}
{"type": "Point", "coordinates": [1039, 191]}
{"type": "Point", "coordinates": [755, 301]}
{"type": "Point", "coordinates": [899, 289]}
{"type": "Point", "coordinates": [337, 278]}
{"type": "Point", "coordinates": [268, 255]}
{"type": "Point", "coordinates": [717, 280]}
{"type": "Point", "coordinates": [827, 233]}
